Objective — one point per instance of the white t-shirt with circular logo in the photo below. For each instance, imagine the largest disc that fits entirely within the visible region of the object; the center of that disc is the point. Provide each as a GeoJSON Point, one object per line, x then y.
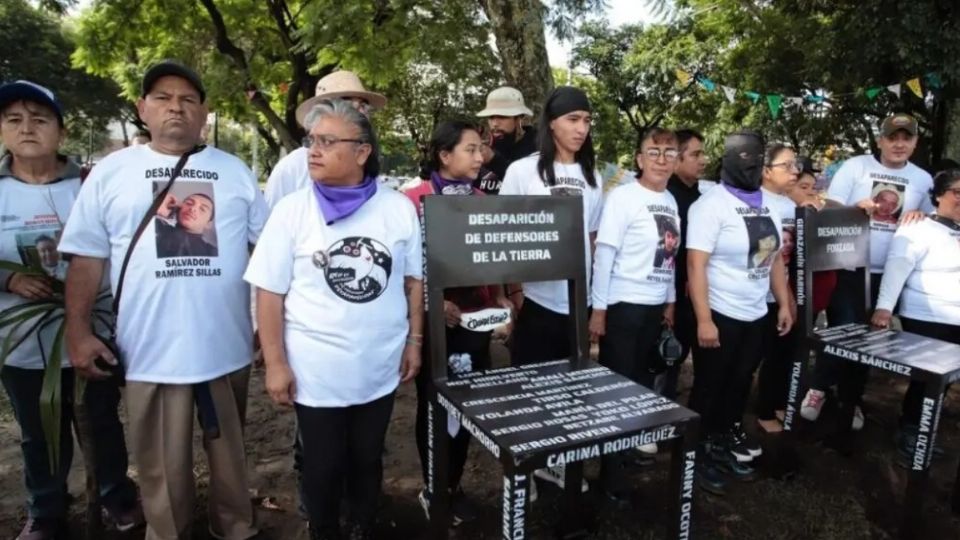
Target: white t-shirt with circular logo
{"type": "Point", "coordinates": [345, 309]}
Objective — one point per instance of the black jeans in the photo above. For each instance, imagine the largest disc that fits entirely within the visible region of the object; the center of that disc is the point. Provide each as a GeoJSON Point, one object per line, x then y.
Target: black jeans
{"type": "Point", "coordinates": [851, 377]}
{"type": "Point", "coordinates": [47, 489]}
{"type": "Point", "coordinates": [626, 348]}
{"type": "Point", "coordinates": [774, 378]}
{"type": "Point", "coordinates": [540, 335]}
{"type": "Point", "coordinates": [913, 401]}
{"type": "Point", "coordinates": [723, 375]}
{"type": "Point", "coordinates": [459, 341]}
{"type": "Point", "coordinates": [343, 455]}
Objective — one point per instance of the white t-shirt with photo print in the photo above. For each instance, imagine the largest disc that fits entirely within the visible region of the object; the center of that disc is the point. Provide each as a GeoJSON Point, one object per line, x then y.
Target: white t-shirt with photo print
{"type": "Point", "coordinates": [743, 243]}
{"type": "Point", "coordinates": [522, 178]}
{"type": "Point", "coordinates": [644, 227]}
{"type": "Point", "coordinates": [895, 191]}
{"type": "Point", "coordinates": [788, 229]}
{"type": "Point", "coordinates": [345, 309]}
{"type": "Point", "coordinates": [184, 314]}
{"type": "Point", "coordinates": [31, 222]}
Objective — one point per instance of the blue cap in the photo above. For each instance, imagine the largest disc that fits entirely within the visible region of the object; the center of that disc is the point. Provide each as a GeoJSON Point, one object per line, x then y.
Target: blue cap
{"type": "Point", "coordinates": [29, 91]}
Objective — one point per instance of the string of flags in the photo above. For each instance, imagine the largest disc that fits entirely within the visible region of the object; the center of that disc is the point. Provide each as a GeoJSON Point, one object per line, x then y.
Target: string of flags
{"type": "Point", "coordinates": [775, 102]}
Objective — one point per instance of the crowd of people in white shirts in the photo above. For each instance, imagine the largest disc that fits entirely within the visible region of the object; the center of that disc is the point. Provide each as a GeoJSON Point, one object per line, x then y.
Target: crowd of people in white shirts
{"type": "Point", "coordinates": [336, 261]}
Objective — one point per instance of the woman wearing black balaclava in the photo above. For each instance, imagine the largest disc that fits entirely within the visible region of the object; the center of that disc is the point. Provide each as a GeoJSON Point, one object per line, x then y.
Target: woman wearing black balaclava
{"type": "Point", "coordinates": [733, 241]}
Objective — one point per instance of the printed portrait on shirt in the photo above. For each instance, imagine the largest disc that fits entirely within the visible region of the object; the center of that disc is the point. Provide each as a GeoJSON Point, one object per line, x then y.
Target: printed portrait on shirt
{"type": "Point", "coordinates": [38, 249]}
{"type": "Point", "coordinates": [356, 268]}
{"type": "Point", "coordinates": [888, 198]}
{"type": "Point", "coordinates": [669, 243]}
{"type": "Point", "coordinates": [185, 221]}
{"type": "Point", "coordinates": [764, 241]}
{"type": "Point", "coordinates": [788, 235]}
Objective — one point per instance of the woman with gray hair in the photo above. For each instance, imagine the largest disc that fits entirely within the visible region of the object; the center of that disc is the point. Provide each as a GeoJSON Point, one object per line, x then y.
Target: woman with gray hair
{"type": "Point", "coordinates": [336, 257]}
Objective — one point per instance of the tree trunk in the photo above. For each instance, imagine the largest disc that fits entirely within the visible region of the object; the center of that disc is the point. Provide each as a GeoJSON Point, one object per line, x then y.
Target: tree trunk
{"type": "Point", "coordinates": [518, 27]}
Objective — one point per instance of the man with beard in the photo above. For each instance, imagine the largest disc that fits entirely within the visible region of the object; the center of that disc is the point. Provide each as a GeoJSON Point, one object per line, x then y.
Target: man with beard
{"type": "Point", "coordinates": [509, 139]}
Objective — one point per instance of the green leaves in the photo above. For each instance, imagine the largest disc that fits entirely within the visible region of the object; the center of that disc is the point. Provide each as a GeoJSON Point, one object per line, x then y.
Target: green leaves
{"type": "Point", "coordinates": [51, 398]}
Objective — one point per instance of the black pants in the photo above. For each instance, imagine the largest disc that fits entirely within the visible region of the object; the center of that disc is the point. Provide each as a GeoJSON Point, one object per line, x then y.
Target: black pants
{"type": "Point", "coordinates": [631, 340]}
{"type": "Point", "coordinates": [629, 344]}
{"type": "Point", "coordinates": [47, 490]}
{"type": "Point", "coordinates": [723, 375]}
{"type": "Point", "coordinates": [774, 378]}
{"type": "Point", "coordinates": [913, 401]}
{"type": "Point", "coordinates": [342, 455]}
{"type": "Point", "coordinates": [459, 341]}
{"type": "Point", "coordinates": [540, 335]}
{"type": "Point", "coordinates": [851, 377]}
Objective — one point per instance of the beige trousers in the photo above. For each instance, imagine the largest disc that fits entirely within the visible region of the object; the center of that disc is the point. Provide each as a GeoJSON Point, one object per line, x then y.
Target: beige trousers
{"type": "Point", "coordinates": [161, 420]}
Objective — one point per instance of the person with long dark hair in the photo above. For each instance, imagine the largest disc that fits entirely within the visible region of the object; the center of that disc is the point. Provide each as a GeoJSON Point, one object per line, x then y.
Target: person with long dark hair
{"type": "Point", "coordinates": [565, 165]}
{"type": "Point", "coordinates": [780, 170]}
{"type": "Point", "coordinates": [922, 272]}
{"type": "Point", "coordinates": [733, 261]}
{"type": "Point", "coordinates": [455, 160]}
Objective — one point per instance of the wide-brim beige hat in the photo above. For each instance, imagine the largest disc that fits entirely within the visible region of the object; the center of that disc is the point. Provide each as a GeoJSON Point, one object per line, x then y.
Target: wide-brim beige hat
{"type": "Point", "coordinates": [340, 84]}
{"type": "Point", "coordinates": [505, 101]}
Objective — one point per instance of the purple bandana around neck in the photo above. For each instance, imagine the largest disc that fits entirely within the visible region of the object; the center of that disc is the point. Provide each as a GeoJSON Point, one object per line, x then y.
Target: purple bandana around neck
{"type": "Point", "coordinates": [337, 203]}
{"type": "Point", "coordinates": [443, 186]}
{"type": "Point", "coordinates": [753, 199]}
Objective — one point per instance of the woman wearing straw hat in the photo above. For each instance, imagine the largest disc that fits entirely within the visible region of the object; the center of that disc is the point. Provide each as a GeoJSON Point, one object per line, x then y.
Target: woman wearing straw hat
{"type": "Point", "coordinates": [290, 174]}
{"type": "Point", "coordinates": [509, 140]}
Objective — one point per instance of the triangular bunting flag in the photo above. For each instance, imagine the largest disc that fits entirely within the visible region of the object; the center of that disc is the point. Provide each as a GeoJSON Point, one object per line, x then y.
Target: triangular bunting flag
{"type": "Point", "coordinates": [914, 86]}
{"type": "Point", "coordinates": [284, 86]}
{"type": "Point", "coordinates": [731, 93]}
{"type": "Point", "coordinates": [683, 77]}
{"type": "Point", "coordinates": [250, 94]}
{"type": "Point", "coordinates": [933, 80]}
{"type": "Point", "coordinates": [872, 92]}
{"type": "Point", "coordinates": [706, 83]}
{"type": "Point", "coordinates": [774, 101]}
{"type": "Point", "coordinates": [894, 88]}
{"type": "Point", "coordinates": [754, 96]}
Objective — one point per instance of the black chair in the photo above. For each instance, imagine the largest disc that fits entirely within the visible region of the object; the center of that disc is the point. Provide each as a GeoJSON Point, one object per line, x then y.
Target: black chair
{"type": "Point", "coordinates": [839, 239]}
{"type": "Point", "coordinates": [554, 413]}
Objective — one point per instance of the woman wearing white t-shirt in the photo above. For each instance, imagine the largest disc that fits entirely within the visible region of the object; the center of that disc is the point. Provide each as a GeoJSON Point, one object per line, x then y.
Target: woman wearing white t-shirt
{"type": "Point", "coordinates": [633, 291]}
{"type": "Point", "coordinates": [340, 310]}
{"type": "Point", "coordinates": [779, 176]}
{"type": "Point", "coordinates": [727, 228]}
{"type": "Point", "coordinates": [923, 273]}
{"type": "Point", "coordinates": [565, 165]}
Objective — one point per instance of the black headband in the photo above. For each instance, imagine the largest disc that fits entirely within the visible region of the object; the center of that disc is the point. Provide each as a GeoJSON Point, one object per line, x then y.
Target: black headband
{"type": "Point", "coordinates": [566, 99]}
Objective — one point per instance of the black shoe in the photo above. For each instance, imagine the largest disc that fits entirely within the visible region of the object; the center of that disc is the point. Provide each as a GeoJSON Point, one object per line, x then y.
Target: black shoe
{"type": "Point", "coordinates": [729, 444]}
{"type": "Point", "coordinates": [462, 508]}
{"type": "Point", "coordinates": [359, 532]}
{"type": "Point", "coordinates": [324, 534]}
{"type": "Point", "coordinates": [711, 479]}
{"type": "Point", "coordinates": [724, 457]}
{"type": "Point", "coordinates": [748, 442]}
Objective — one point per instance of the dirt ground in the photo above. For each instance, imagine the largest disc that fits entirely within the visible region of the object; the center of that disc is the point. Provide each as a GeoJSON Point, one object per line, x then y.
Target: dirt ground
{"type": "Point", "coordinates": [833, 496]}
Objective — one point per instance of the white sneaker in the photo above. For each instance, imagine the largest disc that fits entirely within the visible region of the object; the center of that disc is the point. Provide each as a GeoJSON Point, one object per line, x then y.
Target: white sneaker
{"type": "Point", "coordinates": [556, 475]}
{"type": "Point", "coordinates": [649, 449]}
{"type": "Point", "coordinates": [857, 423]}
{"type": "Point", "coordinates": [812, 403]}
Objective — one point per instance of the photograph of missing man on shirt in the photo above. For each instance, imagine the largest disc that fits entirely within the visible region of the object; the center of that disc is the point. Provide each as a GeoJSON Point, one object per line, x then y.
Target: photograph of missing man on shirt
{"type": "Point", "coordinates": [185, 222]}
{"type": "Point", "coordinates": [666, 255]}
{"type": "Point", "coordinates": [889, 200]}
{"type": "Point", "coordinates": [38, 249]}
{"type": "Point", "coordinates": [764, 241]}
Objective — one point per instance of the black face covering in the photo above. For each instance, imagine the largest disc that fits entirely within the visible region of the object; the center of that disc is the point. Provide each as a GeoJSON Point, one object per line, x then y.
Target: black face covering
{"type": "Point", "coordinates": [742, 165]}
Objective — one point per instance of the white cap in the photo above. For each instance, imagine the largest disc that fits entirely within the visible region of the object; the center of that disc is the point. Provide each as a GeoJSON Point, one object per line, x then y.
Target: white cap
{"type": "Point", "coordinates": [505, 101]}
{"type": "Point", "coordinates": [340, 84]}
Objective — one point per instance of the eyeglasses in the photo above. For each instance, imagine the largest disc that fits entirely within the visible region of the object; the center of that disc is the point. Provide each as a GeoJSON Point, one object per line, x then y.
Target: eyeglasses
{"type": "Point", "coordinates": [654, 154]}
{"type": "Point", "coordinates": [955, 191]}
{"type": "Point", "coordinates": [788, 166]}
{"type": "Point", "coordinates": [326, 141]}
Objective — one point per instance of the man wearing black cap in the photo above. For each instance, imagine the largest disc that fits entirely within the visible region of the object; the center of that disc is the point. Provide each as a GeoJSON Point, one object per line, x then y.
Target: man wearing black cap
{"type": "Point", "coordinates": [891, 190]}
{"type": "Point", "coordinates": [183, 322]}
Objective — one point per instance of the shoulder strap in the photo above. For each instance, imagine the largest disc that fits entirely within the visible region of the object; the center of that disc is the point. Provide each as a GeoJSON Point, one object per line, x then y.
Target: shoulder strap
{"type": "Point", "coordinates": [151, 212]}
